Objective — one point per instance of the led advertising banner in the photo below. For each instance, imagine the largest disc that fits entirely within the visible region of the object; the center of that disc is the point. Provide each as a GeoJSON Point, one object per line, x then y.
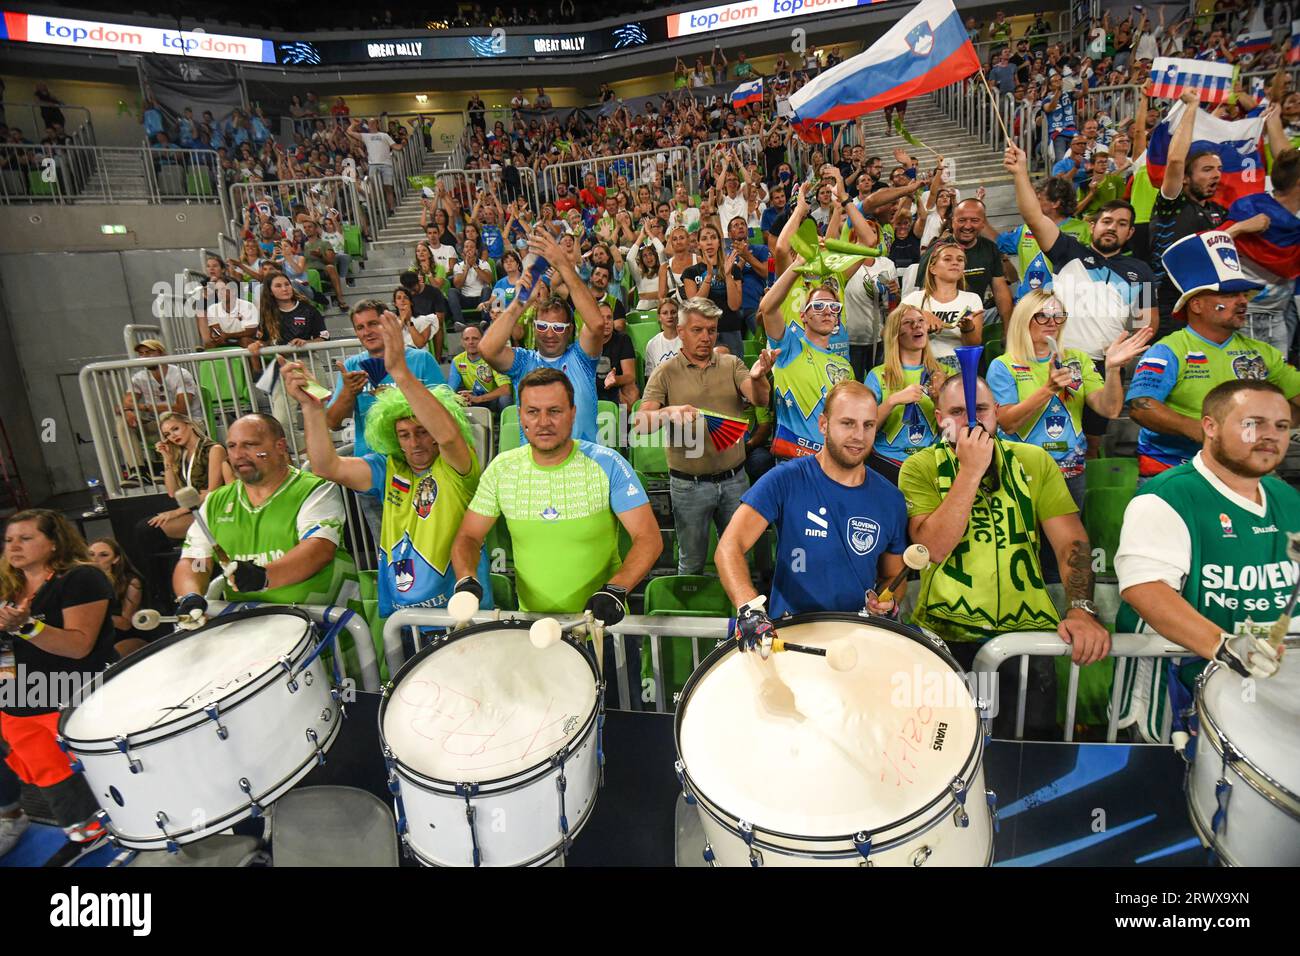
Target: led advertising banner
{"type": "Point", "coordinates": [753, 13]}
{"type": "Point", "coordinates": [98, 35]}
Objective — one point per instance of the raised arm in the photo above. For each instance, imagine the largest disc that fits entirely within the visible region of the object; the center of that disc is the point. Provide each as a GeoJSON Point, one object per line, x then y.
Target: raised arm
{"type": "Point", "coordinates": [1179, 144]}
{"type": "Point", "coordinates": [325, 461]}
{"type": "Point", "coordinates": [1045, 231]}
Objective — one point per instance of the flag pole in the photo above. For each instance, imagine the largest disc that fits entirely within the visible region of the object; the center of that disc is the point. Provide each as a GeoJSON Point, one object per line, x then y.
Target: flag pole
{"type": "Point", "coordinates": [996, 110]}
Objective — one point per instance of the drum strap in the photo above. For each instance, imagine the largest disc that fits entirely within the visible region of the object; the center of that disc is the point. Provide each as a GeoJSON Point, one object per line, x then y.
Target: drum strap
{"type": "Point", "coordinates": [331, 635]}
{"type": "Point", "coordinates": [1180, 698]}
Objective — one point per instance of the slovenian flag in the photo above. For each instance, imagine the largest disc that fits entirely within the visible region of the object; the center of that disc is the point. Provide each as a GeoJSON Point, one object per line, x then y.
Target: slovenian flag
{"type": "Point", "coordinates": [1293, 49]}
{"type": "Point", "coordinates": [1154, 365]}
{"type": "Point", "coordinates": [747, 94]}
{"type": "Point", "coordinates": [1172, 76]}
{"type": "Point", "coordinates": [1236, 142]}
{"type": "Point", "coordinates": [926, 50]}
{"type": "Point", "coordinates": [1275, 252]}
{"type": "Point", "coordinates": [1258, 36]}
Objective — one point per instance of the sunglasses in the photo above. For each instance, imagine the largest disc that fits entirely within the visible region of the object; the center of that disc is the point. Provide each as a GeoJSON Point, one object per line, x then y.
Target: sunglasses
{"type": "Point", "coordinates": [1050, 318]}
{"type": "Point", "coordinates": [551, 326]}
{"type": "Point", "coordinates": [821, 305]}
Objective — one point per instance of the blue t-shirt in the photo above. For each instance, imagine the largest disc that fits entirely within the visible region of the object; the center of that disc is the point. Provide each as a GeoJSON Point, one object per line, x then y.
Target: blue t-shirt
{"type": "Point", "coordinates": [422, 365]}
{"type": "Point", "coordinates": [752, 282]}
{"type": "Point", "coordinates": [581, 370]}
{"type": "Point", "coordinates": [493, 242]}
{"type": "Point", "coordinates": [1060, 121]}
{"type": "Point", "coordinates": [830, 537]}
{"type": "Point", "coordinates": [770, 216]}
{"type": "Point", "coordinates": [1079, 175]}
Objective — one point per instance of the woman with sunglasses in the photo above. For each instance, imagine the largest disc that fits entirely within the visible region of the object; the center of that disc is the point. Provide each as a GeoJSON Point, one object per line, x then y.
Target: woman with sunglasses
{"type": "Point", "coordinates": [954, 316]}
{"type": "Point", "coordinates": [904, 385]}
{"type": "Point", "coordinates": [1041, 391]}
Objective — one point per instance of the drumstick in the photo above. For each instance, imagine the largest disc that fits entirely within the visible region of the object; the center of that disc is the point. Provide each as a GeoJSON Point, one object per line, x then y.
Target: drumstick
{"type": "Point", "coordinates": [1277, 633]}
{"type": "Point", "coordinates": [916, 557]}
{"type": "Point", "coordinates": [547, 631]}
{"type": "Point", "coordinates": [188, 498]}
{"type": "Point", "coordinates": [840, 655]}
{"type": "Point", "coordinates": [148, 619]}
{"type": "Point", "coordinates": [461, 607]}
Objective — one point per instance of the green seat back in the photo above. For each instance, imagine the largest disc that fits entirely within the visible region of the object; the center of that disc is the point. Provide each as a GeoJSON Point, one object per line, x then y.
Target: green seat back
{"type": "Point", "coordinates": [1103, 516]}
{"type": "Point", "coordinates": [1111, 473]}
{"type": "Point", "coordinates": [226, 381]}
{"type": "Point", "coordinates": [509, 435]}
{"type": "Point", "coordinates": [680, 595]}
{"type": "Point", "coordinates": [503, 593]}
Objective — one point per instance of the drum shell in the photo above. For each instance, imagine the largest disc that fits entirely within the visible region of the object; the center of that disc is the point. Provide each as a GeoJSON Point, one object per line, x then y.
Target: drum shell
{"type": "Point", "coordinates": [516, 818]}
{"type": "Point", "coordinates": [1261, 826]}
{"type": "Point", "coordinates": [189, 772]}
{"type": "Point", "coordinates": [931, 836]}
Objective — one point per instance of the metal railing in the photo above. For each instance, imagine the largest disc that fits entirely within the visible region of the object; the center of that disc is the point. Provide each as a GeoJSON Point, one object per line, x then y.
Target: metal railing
{"type": "Point", "coordinates": [219, 386]}
{"type": "Point", "coordinates": [706, 159]}
{"type": "Point", "coordinates": [77, 117]}
{"type": "Point", "coordinates": [464, 185]}
{"type": "Point", "coordinates": [107, 174]}
{"type": "Point", "coordinates": [317, 195]}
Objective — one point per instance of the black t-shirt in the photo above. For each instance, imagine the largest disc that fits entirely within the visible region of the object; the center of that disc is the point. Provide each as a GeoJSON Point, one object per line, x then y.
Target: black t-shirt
{"type": "Point", "coordinates": [905, 251]}
{"type": "Point", "coordinates": [82, 584]}
{"type": "Point", "coordinates": [1171, 220]}
{"type": "Point", "coordinates": [618, 348]}
{"type": "Point", "coordinates": [303, 321]}
{"type": "Point", "coordinates": [983, 265]}
{"type": "Point", "coordinates": [428, 301]}
{"type": "Point", "coordinates": [773, 157]}
{"type": "Point", "coordinates": [730, 320]}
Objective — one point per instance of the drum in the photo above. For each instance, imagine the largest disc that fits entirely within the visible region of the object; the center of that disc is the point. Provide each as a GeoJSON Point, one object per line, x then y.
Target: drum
{"type": "Point", "coordinates": [204, 728]}
{"type": "Point", "coordinates": [791, 763]}
{"type": "Point", "coordinates": [493, 746]}
{"type": "Point", "coordinates": [1243, 787]}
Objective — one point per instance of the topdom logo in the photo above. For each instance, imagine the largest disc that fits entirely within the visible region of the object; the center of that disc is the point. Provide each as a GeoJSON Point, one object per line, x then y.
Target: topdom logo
{"type": "Point", "coordinates": [711, 18]}
{"type": "Point", "coordinates": [107, 36]}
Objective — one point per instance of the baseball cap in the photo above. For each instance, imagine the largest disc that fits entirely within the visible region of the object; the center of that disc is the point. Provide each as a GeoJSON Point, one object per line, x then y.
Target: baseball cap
{"type": "Point", "coordinates": [152, 344]}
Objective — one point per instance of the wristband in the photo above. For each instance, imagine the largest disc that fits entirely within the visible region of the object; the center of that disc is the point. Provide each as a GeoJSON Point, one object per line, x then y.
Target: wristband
{"type": "Point", "coordinates": [31, 629]}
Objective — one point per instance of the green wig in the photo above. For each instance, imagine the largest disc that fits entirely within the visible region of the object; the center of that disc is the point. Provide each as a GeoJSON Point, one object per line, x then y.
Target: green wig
{"type": "Point", "coordinates": [391, 406]}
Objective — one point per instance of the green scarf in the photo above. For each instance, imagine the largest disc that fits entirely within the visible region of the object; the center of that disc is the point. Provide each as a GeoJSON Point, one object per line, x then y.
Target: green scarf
{"type": "Point", "coordinates": [992, 582]}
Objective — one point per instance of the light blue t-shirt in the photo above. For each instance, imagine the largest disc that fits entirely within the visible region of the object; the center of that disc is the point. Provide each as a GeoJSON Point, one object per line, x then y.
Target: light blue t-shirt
{"type": "Point", "coordinates": [422, 365]}
{"type": "Point", "coordinates": [830, 537]}
{"type": "Point", "coordinates": [581, 370]}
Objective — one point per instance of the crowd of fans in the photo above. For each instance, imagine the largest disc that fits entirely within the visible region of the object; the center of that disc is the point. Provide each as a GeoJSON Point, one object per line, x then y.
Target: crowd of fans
{"type": "Point", "coordinates": [690, 308]}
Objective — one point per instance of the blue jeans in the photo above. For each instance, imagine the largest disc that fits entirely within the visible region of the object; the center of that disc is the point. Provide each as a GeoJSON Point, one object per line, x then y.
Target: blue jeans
{"type": "Point", "coordinates": [1276, 328]}
{"type": "Point", "coordinates": [735, 343]}
{"type": "Point", "coordinates": [696, 505]}
{"type": "Point", "coordinates": [1060, 146]}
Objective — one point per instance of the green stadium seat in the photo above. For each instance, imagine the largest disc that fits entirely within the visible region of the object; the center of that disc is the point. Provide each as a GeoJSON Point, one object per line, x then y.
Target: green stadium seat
{"type": "Point", "coordinates": [503, 593]}
{"type": "Point", "coordinates": [644, 315]}
{"type": "Point", "coordinates": [1111, 473]}
{"type": "Point", "coordinates": [650, 459]}
{"type": "Point", "coordinates": [313, 279]}
{"type": "Point", "coordinates": [37, 186]}
{"type": "Point", "coordinates": [641, 333]}
{"type": "Point", "coordinates": [198, 183]}
{"type": "Point", "coordinates": [353, 244]}
{"type": "Point", "coordinates": [680, 595]}
{"type": "Point", "coordinates": [1103, 516]}
{"type": "Point", "coordinates": [500, 550]}
{"type": "Point", "coordinates": [210, 413]}
{"type": "Point", "coordinates": [227, 382]}
{"type": "Point", "coordinates": [509, 433]}
{"type": "Point", "coordinates": [607, 424]}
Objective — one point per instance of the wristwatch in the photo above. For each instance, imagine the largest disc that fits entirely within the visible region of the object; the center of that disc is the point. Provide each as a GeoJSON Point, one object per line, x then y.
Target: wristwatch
{"type": "Point", "coordinates": [1083, 604]}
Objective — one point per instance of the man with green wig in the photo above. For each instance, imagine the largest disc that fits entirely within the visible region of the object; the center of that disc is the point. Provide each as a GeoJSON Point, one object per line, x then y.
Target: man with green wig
{"type": "Point", "coordinates": [422, 468]}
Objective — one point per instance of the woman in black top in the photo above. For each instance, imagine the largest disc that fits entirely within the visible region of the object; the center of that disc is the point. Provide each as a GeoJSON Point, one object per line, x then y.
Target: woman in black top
{"type": "Point", "coordinates": [54, 602]}
{"type": "Point", "coordinates": [717, 278]}
{"type": "Point", "coordinates": [285, 317]}
{"type": "Point", "coordinates": [128, 592]}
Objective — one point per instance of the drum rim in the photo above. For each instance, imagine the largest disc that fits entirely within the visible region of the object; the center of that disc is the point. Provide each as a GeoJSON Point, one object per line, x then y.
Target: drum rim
{"type": "Point", "coordinates": [511, 781]}
{"type": "Point", "coordinates": [973, 758]}
{"type": "Point", "coordinates": [184, 722]}
{"type": "Point", "coordinates": [1245, 768]}
{"type": "Point", "coordinates": [213, 827]}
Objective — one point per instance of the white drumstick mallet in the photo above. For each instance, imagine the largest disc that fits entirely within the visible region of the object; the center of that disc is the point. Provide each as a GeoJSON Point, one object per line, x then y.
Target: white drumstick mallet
{"type": "Point", "coordinates": [915, 558]}
{"type": "Point", "coordinates": [462, 607]}
{"type": "Point", "coordinates": [188, 498]}
{"type": "Point", "coordinates": [148, 619]}
{"type": "Point", "coordinates": [545, 632]}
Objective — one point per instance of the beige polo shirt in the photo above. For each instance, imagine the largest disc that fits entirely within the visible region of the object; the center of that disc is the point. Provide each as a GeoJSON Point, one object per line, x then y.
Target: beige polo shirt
{"type": "Point", "coordinates": [714, 387]}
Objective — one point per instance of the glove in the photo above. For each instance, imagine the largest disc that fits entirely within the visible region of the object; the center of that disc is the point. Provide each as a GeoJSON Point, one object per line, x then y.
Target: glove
{"type": "Point", "coordinates": [247, 577]}
{"type": "Point", "coordinates": [470, 583]}
{"type": "Point", "coordinates": [608, 604]}
{"type": "Point", "coordinates": [192, 609]}
{"type": "Point", "coordinates": [754, 628]}
{"type": "Point", "coordinates": [1247, 655]}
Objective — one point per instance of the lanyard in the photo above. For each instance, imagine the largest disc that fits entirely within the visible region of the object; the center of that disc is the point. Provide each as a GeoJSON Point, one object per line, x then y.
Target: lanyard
{"type": "Point", "coordinates": [189, 466]}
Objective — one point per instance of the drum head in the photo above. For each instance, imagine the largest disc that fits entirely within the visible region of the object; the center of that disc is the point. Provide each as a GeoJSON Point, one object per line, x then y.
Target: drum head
{"type": "Point", "coordinates": [185, 673]}
{"type": "Point", "coordinates": [794, 747]}
{"type": "Point", "coordinates": [1260, 717]}
{"type": "Point", "coordinates": [488, 705]}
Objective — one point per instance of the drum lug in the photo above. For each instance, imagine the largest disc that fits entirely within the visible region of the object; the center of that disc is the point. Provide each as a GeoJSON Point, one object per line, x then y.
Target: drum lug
{"type": "Point", "coordinates": [255, 810]}
{"type": "Point", "coordinates": [561, 785]}
{"type": "Point", "coordinates": [709, 858]}
{"type": "Point", "coordinates": [1222, 789]}
{"type": "Point", "coordinates": [920, 856]}
{"type": "Point", "coordinates": [160, 818]}
{"type": "Point", "coordinates": [681, 778]}
{"type": "Point", "coordinates": [395, 788]}
{"type": "Point", "coordinates": [600, 730]}
{"type": "Point", "coordinates": [288, 669]}
{"type": "Point", "coordinates": [76, 765]}
{"type": "Point", "coordinates": [862, 843]}
{"type": "Point", "coordinates": [467, 790]}
{"type": "Point", "coordinates": [337, 696]}
{"type": "Point", "coordinates": [214, 714]}
{"type": "Point", "coordinates": [992, 798]}
{"type": "Point", "coordinates": [677, 698]}
{"type": "Point", "coordinates": [121, 743]}
{"type": "Point", "coordinates": [315, 742]}
{"type": "Point", "coordinates": [747, 834]}
{"type": "Point", "coordinates": [386, 690]}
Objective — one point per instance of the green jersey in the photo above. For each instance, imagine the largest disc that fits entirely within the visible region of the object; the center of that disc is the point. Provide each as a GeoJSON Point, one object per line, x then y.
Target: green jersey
{"type": "Point", "coordinates": [563, 521]}
{"type": "Point", "coordinates": [1058, 426]}
{"type": "Point", "coordinates": [304, 506]}
{"type": "Point", "coordinates": [475, 376]}
{"type": "Point", "coordinates": [1225, 554]}
{"type": "Point", "coordinates": [909, 428]}
{"type": "Point", "coordinates": [992, 581]}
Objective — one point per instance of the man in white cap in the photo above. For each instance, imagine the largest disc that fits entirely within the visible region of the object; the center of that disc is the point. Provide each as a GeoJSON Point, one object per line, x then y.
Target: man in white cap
{"type": "Point", "coordinates": [1177, 372]}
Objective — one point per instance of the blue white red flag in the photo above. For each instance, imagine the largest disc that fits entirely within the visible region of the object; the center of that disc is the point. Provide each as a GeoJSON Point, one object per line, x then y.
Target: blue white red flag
{"type": "Point", "coordinates": [1236, 141]}
{"type": "Point", "coordinates": [1172, 76]}
{"type": "Point", "coordinates": [747, 94]}
{"type": "Point", "coordinates": [1276, 250]}
{"type": "Point", "coordinates": [926, 50]}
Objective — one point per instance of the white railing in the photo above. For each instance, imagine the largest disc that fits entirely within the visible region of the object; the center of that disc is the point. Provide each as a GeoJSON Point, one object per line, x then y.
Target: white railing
{"type": "Point", "coordinates": [464, 185]}
{"type": "Point", "coordinates": [635, 166]}
{"type": "Point", "coordinates": [79, 123]}
{"type": "Point", "coordinates": [706, 158]}
{"type": "Point", "coordinates": [318, 195]}
{"type": "Point", "coordinates": [226, 381]}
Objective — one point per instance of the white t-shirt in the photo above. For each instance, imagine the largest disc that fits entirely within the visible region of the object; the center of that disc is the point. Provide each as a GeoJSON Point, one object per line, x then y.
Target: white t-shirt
{"type": "Point", "coordinates": [686, 218]}
{"type": "Point", "coordinates": [732, 206]}
{"type": "Point", "coordinates": [241, 318]}
{"type": "Point", "coordinates": [473, 283]}
{"type": "Point", "coordinates": [335, 240]}
{"type": "Point", "coordinates": [659, 350]}
{"type": "Point", "coordinates": [424, 324]}
{"type": "Point", "coordinates": [863, 315]}
{"type": "Point", "coordinates": [379, 148]}
{"type": "Point", "coordinates": [444, 255]}
{"type": "Point", "coordinates": [148, 391]}
{"type": "Point", "coordinates": [944, 344]}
